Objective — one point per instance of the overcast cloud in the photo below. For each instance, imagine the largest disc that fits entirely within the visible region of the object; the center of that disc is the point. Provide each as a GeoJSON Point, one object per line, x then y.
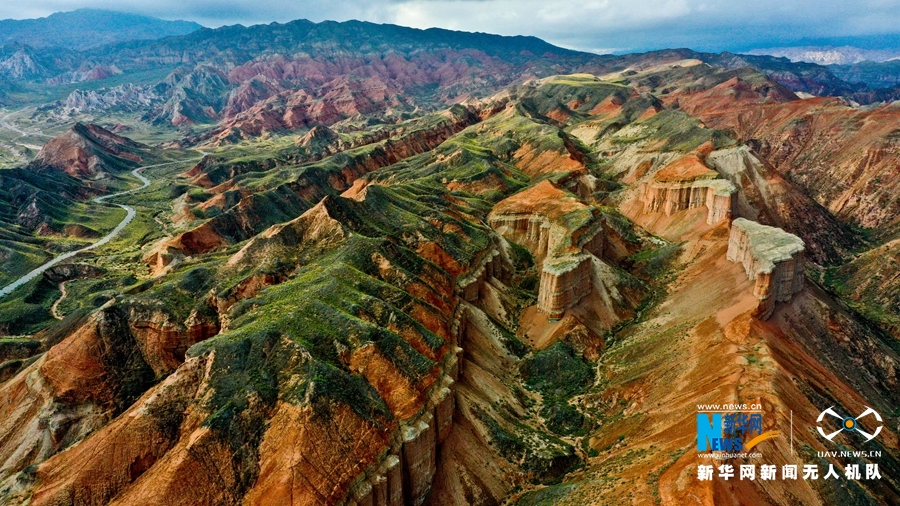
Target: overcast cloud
{"type": "Point", "coordinates": [592, 25]}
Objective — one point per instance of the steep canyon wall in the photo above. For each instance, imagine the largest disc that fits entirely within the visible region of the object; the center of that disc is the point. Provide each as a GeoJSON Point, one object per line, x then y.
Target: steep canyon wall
{"type": "Point", "coordinates": [772, 257]}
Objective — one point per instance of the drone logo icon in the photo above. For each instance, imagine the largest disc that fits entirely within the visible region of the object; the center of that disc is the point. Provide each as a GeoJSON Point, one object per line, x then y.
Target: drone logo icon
{"type": "Point", "coordinates": [849, 423]}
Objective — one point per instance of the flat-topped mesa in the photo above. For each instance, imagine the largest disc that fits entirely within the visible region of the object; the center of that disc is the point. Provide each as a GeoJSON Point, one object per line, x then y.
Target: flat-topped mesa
{"type": "Point", "coordinates": [547, 221]}
{"type": "Point", "coordinates": [772, 257]}
{"type": "Point", "coordinates": [564, 282]}
{"type": "Point", "coordinates": [687, 183]}
{"type": "Point", "coordinates": [561, 232]}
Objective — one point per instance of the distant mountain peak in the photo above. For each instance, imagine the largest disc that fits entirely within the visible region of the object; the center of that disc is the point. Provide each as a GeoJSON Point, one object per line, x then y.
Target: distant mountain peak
{"type": "Point", "coordinates": [87, 28]}
{"type": "Point", "coordinates": [830, 55]}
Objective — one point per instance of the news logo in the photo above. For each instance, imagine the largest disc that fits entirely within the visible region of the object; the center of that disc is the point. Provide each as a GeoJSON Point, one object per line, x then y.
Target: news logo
{"type": "Point", "coordinates": [730, 432]}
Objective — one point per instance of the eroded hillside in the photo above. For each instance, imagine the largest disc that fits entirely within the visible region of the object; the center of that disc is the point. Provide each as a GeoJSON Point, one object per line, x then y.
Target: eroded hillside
{"type": "Point", "coordinates": [520, 299]}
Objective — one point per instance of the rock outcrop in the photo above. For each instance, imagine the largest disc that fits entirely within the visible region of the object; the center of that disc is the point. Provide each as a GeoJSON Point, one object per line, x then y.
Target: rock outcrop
{"type": "Point", "coordinates": [289, 110]}
{"type": "Point", "coordinates": [406, 474]}
{"type": "Point", "coordinates": [561, 232]}
{"type": "Point", "coordinates": [127, 97]}
{"type": "Point", "coordinates": [766, 196]}
{"type": "Point", "coordinates": [772, 257]}
{"type": "Point", "coordinates": [688, 183]}
{"type": "Point", "coordinates": [489, 266]}
{"type": "Point", "coordinates": [564, 282]}
{"type": "Point", "coordinates": [68, 272]}
{"type": "Point", "coordinates": [842, 156]}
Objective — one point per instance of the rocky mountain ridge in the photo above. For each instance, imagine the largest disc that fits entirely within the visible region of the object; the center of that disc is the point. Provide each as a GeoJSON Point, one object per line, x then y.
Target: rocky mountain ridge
{"type": "Point", "coordinates": [833, 55]}
{"type": "Point", "coordinates": [269, 70]}
{"type": "Point", "coordinates": [90, 152]}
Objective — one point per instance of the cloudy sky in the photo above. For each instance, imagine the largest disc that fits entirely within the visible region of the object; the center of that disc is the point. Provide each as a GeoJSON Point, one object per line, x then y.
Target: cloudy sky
{"type": "Point", "coordinates": [592, 25]}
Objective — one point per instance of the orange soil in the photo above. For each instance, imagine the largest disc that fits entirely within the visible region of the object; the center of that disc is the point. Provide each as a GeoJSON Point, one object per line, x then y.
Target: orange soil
{"type": "Point", "coordinates": [687, 168]}
{"type": "Point", "coordinates": [534, 163]}
{"type": "Point", "coordinates": [608, 106]}
{"type": "Point", "coordinates": [542, 199]}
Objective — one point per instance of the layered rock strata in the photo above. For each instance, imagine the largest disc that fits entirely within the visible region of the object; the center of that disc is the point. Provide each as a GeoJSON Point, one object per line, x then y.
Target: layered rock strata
{"type": "Point", "coordinates": [491, 265]}
{"type": "Point", "coordinates": [772, 257]}
{"type": "Point", "coordinates": [82, 383]}
{"type": "Point", "coordinates": [564, 282]}
{"type": "Point", "coordinates": [405, 474]}
{"type": "Point", "coordinates": [687, 184]}
{"type": "Point", "coordinates": [562, 233]}
{"type": "Point", "coordinates": [89, 152]}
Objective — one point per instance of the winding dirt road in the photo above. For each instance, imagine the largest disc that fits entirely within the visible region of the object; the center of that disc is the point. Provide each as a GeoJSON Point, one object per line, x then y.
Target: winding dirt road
{"type": "Point", "coordinates": [14, 146]}
{"type": "Point", "coordinates": [54, 310]}
{"type": "Point", "coordinates": [130, 213]}
{"type": "Point", "coordinates": [4, 123]}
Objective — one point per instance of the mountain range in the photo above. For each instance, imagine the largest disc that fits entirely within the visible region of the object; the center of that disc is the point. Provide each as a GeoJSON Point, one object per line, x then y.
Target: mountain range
{"type": "Point", "coordinates": [370, 264]}
{"type": "Point", "coordinates": [217, 73]}
{"type": "Point", "coordinates": [843, 55]}
{"type": "Point", "coordinates": [87, 28]}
